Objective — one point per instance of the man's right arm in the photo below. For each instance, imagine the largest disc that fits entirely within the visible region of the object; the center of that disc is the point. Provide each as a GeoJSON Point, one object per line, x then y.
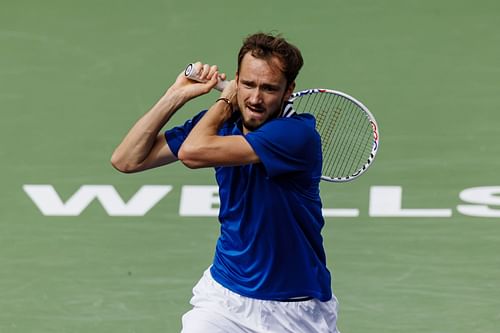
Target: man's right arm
{"type": "Point", "coordinates": [144, 147]}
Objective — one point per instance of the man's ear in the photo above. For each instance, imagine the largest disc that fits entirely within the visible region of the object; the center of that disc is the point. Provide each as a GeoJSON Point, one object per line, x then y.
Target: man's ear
{"type": "Point", "coordinates": [289, 91]}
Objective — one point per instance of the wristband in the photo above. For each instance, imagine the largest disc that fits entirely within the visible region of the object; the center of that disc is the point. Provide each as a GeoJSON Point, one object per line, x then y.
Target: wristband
{"type": "Point", "coordinates": [228, 102]}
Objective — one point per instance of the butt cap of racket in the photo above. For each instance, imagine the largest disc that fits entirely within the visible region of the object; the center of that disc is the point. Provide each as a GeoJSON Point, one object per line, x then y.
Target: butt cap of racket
{"type": "Point", "coordinates": [191, 73]}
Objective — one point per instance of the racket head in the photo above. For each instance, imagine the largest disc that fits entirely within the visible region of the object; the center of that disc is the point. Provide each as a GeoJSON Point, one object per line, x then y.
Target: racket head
{"type": "Point", "coordinates": [349, 132]}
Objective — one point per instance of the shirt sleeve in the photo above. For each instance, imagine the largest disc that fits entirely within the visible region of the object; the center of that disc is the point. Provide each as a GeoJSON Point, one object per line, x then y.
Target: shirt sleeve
{"type": "Point", "coordinates": [175, 136]}
{"type": "Point", "coordinates": [287, 144]}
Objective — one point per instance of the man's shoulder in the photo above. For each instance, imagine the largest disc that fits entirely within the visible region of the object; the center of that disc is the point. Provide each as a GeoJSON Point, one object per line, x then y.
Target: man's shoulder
{"type": "Point", "coordinates": [296, 124]}
{"type": "Point", "coordinates": [306, 118]}
{"type": "Point", "coordinates": [298, 120]}
{"type": "Point", "coordinates": [296, 133]}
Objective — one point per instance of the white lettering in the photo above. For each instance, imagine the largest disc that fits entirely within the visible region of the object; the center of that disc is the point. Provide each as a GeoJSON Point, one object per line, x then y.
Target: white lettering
{"type": "Point", "coordinates": [385, 201]}
{"type": "Point", "coordinates": [199, 201]}
{"type": "Point", "coordinates": [48, 201]}
{"type": "Point", "coordinates": [340, 212]}
{"type": "Point", "coordinates": [203, 201]}
{"type": "Point", "coordinates": [482, 196]}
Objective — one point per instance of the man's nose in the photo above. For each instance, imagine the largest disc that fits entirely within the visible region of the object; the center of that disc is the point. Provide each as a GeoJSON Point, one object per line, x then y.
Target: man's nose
{"type": "Point", "coordinates": [256, 96]}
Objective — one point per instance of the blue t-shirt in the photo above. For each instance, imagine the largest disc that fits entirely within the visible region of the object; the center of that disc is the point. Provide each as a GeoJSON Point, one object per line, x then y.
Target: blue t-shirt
{"type": "Point", "coordinates": [270, 245]}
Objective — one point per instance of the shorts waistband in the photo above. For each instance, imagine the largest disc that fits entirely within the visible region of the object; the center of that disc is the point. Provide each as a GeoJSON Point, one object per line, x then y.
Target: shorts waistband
{"type": "Point", "coordinates": [296, 299]}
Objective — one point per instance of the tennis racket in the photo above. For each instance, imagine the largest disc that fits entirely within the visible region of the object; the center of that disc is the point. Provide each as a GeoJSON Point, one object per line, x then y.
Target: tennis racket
{"type": "Point", "coordinates": [349, 132]}
{"type": "Point", "coordinates": [192, 73]}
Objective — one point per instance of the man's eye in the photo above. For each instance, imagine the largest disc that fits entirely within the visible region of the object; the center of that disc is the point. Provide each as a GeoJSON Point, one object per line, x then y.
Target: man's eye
{"type": "Point", "coordinates": [269, 89]}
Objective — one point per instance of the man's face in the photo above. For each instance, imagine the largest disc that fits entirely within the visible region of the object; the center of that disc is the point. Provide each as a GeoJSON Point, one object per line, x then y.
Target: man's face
{"type": "Point", "coordinates": [261, 89]}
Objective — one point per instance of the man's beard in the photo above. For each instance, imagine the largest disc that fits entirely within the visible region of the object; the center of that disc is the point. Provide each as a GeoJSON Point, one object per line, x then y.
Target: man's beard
{"type": "Point", "coordinates": [252, 127]}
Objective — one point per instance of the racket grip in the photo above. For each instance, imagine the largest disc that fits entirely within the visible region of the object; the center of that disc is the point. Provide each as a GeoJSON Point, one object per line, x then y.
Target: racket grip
{"type": "Point", "coordinates": [191, 73]}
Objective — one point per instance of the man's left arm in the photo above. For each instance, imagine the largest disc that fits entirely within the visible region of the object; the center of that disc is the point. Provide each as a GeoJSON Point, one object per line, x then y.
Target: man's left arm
{"type": "Point", "coordinates": [205, 148]}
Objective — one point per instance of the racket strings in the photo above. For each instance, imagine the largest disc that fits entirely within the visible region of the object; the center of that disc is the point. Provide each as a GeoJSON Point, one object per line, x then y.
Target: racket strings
{"type": "Point", "coordinates": [355, 143]}
{"type": "Point", "coordinates": [319, 106]}
{"type": "Point", "coordinates": [331, 116]}
{"type": "Point", "coordinates": [345, 131]}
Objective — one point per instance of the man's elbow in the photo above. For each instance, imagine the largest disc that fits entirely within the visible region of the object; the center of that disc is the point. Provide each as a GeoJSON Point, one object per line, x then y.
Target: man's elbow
{"type": "Point", "coordinates": [188, 156]}
{"type": "Point", "coordinates": [122, 165]}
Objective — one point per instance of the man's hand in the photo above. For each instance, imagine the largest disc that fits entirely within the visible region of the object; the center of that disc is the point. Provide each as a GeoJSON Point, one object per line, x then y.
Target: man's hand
{"type": "Point", "coordinates": [189, 89]}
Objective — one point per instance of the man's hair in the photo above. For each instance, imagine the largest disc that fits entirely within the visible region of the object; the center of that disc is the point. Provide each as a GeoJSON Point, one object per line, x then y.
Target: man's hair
{"type": "Point", "coordinates": [264, 46]}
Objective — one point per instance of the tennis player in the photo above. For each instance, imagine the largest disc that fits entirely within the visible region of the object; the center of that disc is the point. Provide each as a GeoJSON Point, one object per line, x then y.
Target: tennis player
{"type": "Point", "coordinates": [269, 270]}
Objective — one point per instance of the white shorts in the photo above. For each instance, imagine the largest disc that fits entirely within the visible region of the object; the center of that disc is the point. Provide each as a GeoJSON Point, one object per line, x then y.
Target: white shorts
{"type": "Point", "coordinates": [216, 309]}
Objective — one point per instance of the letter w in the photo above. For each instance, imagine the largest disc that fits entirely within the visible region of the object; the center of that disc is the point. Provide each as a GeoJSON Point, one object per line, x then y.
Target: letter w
{"type": "Point", "coordinates": [48, 201]}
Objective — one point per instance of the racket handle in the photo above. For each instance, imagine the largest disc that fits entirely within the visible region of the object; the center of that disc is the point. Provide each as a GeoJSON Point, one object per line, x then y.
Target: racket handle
{"type": "Point", "coordinates": [191, 73]}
